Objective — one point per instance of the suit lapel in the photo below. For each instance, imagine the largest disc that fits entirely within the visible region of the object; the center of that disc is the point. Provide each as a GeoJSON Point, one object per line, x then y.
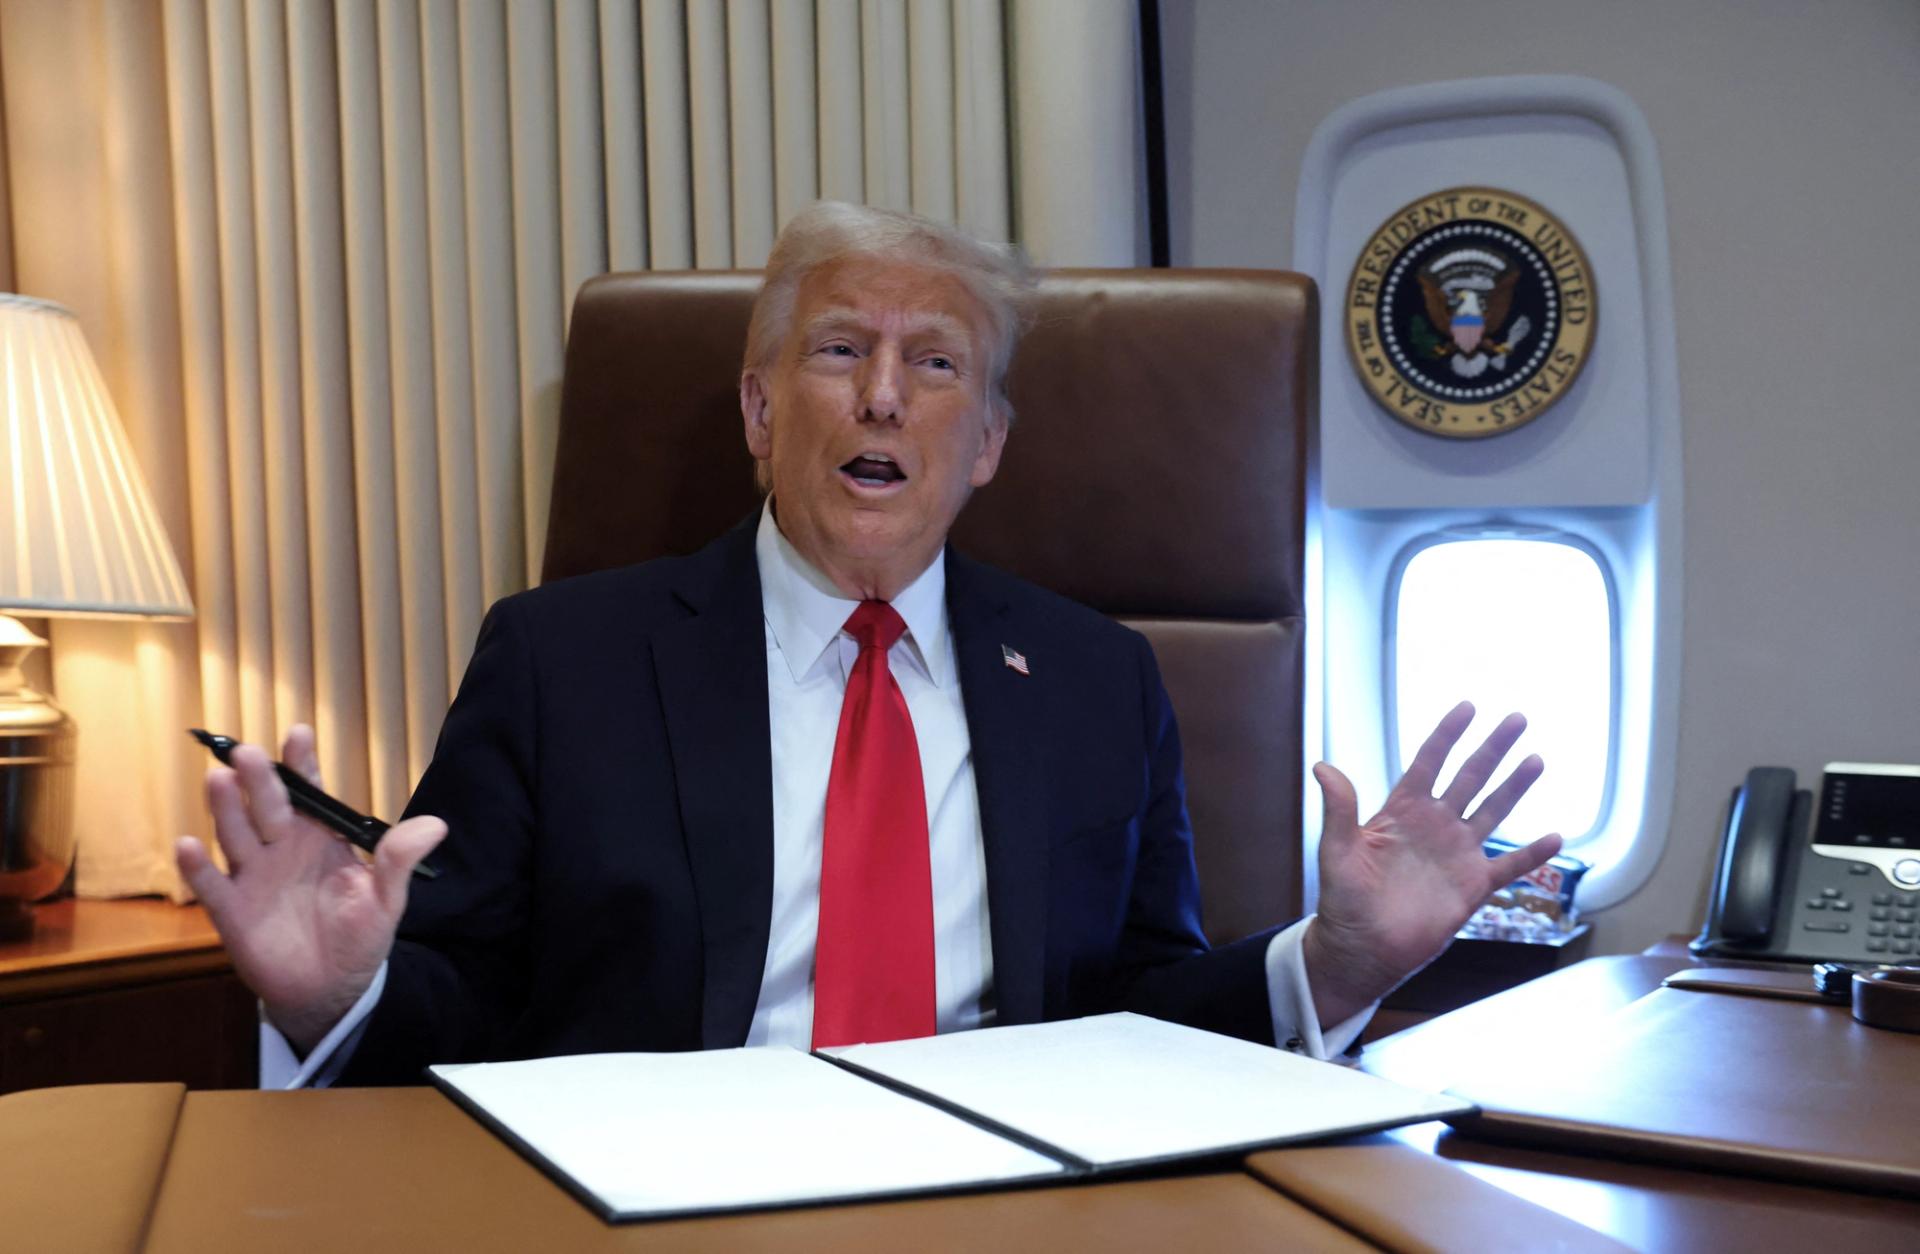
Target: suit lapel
{"type": "Point", "coordinates": [1004, 708]}
{"type": "Point", "coordinates": [712, 674]}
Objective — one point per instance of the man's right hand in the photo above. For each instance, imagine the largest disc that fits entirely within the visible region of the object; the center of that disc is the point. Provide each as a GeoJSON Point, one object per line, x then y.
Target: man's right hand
{"type": "Point", "coordinates": [306, 919]}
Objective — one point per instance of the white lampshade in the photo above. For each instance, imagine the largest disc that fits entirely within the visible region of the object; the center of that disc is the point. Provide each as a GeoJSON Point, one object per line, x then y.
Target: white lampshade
{"type": "Point", "coordinates": [78, 532]}
{"type": "Point", "coordinates": [78, 536]}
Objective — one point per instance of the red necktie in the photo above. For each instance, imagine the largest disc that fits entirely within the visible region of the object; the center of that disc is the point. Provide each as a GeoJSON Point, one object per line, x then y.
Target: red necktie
{"type": "Point", "coordinates": [873, 957]}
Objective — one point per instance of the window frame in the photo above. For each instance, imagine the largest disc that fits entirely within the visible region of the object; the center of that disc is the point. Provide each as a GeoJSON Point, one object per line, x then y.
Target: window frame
{"type": "Point", "coordinates": [1496, 529]}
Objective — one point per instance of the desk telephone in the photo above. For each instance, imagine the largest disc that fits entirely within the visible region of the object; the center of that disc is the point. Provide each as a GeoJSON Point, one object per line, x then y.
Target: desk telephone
{"type": "Point", "coordinates": [1840, 882]}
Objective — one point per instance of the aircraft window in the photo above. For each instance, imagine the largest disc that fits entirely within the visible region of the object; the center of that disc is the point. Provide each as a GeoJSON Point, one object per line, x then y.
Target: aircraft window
{"type": "Point", "coordinates": [1511, 624]}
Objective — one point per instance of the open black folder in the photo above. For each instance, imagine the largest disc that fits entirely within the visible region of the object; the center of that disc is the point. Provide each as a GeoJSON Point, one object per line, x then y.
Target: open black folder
{"type": "Point", "coordinates": [644, 1136]}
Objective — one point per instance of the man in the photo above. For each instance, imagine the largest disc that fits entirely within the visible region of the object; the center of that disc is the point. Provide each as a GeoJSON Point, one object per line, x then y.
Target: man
{"type": "Point", "coordinates": [783, 791]}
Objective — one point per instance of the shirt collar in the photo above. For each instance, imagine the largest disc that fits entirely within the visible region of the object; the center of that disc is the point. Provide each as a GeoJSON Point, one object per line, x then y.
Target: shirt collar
{"type": "Point", "coordinates": [805, 611]}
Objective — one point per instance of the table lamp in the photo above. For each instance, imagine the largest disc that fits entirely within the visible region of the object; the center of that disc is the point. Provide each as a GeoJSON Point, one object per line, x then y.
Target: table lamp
{"type": "Point", "coordinates": [79, 537]}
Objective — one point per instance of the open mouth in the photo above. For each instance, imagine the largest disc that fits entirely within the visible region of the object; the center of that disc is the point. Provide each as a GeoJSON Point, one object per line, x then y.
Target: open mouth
{"type": "Point", "coordinates": [874, 470]}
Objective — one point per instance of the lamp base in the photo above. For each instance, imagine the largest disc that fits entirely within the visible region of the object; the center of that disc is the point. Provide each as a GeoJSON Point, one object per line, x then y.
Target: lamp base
{"type": "Point", "coordinates": [36, 787]}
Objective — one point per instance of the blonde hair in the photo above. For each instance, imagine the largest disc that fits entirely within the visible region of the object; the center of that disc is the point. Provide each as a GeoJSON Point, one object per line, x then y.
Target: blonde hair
{"type": "Point", "coordinates": [999, 278]}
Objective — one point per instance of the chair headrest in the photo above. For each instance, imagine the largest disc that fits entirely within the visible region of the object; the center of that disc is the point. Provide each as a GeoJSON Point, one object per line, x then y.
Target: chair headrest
{"type": "Point", "coordinates": [1155, 407]}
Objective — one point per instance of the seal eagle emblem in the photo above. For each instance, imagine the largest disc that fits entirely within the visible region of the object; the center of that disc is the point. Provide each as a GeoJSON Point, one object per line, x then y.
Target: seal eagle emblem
{"type": "Point", "coordinates": [1470, 312]}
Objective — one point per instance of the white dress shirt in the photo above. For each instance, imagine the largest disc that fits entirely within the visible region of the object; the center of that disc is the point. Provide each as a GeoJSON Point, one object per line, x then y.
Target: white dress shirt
{"type": "Point", "coordinates": [809, 657]}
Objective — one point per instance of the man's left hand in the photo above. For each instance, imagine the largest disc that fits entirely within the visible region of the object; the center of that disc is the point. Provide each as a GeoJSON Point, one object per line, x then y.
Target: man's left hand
{"type": "Point", "coordinates": [1395, 890]}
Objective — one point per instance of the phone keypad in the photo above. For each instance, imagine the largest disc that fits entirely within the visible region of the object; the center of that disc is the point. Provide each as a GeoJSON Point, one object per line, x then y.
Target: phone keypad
{"type": "Point", "coordinates": [1891, 925]}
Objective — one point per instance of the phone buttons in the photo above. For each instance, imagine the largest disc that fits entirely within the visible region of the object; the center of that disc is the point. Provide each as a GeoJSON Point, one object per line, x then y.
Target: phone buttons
{"type": "Point", "coordinates": [1907, 872]}
{"type": "Point", "coordinates": [1816, 903]}
{"type": "Point", "coordinates": [1876, 947]}
{"type": "Point", "coordinates": [1827, 927]}
{"type": "Point", "coordinates": [1876, 929]}
{"type": "Point", "coordinates": [1841, 905]}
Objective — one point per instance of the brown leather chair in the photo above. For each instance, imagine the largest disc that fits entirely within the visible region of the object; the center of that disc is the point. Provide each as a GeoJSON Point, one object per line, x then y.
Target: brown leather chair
{"type": "Point", "coordinates": [1156, 472]}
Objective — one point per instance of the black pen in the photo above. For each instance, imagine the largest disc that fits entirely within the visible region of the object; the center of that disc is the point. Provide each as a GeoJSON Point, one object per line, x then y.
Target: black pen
{"type": "Point", "coordinates": [358, 828]}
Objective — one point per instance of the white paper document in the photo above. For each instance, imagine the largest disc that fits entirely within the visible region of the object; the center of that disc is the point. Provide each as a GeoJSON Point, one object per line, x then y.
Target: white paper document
{"type": "Point", "coordinates": [1123, 1088]}
{"type": "Point", "coordinates": [657, 1134]}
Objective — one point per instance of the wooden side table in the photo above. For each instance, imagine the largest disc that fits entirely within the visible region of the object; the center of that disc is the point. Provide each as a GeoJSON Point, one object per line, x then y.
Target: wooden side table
{"type": "Point", "coordinates": [123, 991]}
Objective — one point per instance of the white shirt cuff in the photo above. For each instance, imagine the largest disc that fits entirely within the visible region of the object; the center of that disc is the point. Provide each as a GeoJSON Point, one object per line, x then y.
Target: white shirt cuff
{"type": "Point", "coordinates": [281, 1068]}
{"type": "Point", "coordinates": [1296, 1023]}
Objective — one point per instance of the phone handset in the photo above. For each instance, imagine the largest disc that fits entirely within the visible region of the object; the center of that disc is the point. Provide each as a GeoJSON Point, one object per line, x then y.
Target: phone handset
{"type": "Point", "coordinates": [1762, 818]}
{"type": "Point", "coordinates": [1756, 853]}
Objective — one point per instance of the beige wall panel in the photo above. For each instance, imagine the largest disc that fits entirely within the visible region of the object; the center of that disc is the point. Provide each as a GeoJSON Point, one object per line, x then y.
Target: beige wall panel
{"type": "Point", "coordinates": [410, 348]}
{"type": "Point", "coordinates": [583, 195]}
{"type": "Point", "coordinates": [382, 598]}
{"type": "Point", "coordinates": [146, 380]}
{"type": "Point", "coordinates": [983, 188]}
{"type": "Point", "coordinates": [843, 160]}
{"type": "Point", "coordinates": [536, 256]}
{"type": "Point", "coordinates": [663, 50]}
{"type": "Point", "coordinates": [492, 318]}
{"type": "Point", "coordinates": [453, 407]}
{"type": "Point", "coordinates": [884, 104]}
{"type": "Point", "coordinates": [6, 215]}
{"type": "Point", "coordinates": [930, 93]}
{"type": "Point", "coordinates": [796, 165]}
{"type": "Point", "coordinates": [340, 707]}
{"type": "Point", "coordinates": [623, 127]}
{"type": "Point", "coordinates": [203, 382]}
{"type": "Point", "coordinates": [1076, 131]}
{"type": "Point", "coordinates": [750, 123]}
{"type": "Point", "coordinates": [707, 119]}
{"type": "Point", "coordinates": [47, 53]}
{"type": "Point", "coordinates": [240, 361]}
{"type": "Point", "coordinates": [283, 470]}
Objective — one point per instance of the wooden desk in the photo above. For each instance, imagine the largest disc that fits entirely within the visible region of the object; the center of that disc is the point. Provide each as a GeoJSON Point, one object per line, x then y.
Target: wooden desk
{"type": "Point", "coordinates": [153, 1168]}
{"type": "Point", "coordinates": [110, 991]}
{"type": "Point", "coordinates": [1649, 1207]}
{"type": "Point", "coordinates": [376, 1170]}
{"type": "Point", "coordinates": [403, 1169]}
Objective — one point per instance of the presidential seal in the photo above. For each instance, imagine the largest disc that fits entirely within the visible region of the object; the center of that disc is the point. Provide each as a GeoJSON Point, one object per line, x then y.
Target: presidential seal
{"type": "Point", "coordinates": [1470, 312]}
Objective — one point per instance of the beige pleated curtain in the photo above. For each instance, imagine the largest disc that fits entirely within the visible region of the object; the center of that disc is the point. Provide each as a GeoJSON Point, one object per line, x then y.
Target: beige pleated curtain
{"type": "Point", "coordinates": [325, 249]}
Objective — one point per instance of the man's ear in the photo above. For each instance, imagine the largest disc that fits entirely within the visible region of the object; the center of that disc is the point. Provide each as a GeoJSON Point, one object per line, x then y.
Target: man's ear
{"type": "Point", "coordinates": [756, 412]}
{"type": "Point", "coordinates": [987, 464]}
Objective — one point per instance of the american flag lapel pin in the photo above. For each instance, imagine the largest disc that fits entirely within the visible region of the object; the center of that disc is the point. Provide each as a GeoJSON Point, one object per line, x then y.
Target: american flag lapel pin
{"type": "Point", "coordinates": [1014, 659]}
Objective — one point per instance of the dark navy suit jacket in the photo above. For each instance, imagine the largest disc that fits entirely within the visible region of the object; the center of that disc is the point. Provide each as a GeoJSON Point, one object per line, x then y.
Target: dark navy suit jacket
{"type": "Point", "coordinates": [606, 777]}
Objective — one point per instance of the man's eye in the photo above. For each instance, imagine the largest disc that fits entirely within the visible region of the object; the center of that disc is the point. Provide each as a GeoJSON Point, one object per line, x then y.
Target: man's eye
{"type": "Point", "coordinates": [940, 363]}
{"type": "Point", "coordinates": [838, 350]}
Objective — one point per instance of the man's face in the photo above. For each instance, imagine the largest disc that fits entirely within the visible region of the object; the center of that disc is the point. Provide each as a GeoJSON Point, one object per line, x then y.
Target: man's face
{"type": "Point", "coordinates": [875, 420]}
